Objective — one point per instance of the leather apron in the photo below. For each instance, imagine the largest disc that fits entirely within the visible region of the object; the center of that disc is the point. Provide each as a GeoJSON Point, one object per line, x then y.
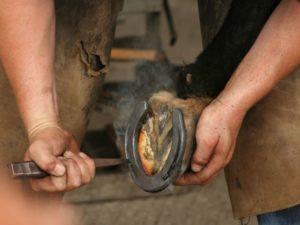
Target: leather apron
{"type": "Point", "coordinates": [264, 174]}
{"type": "Point", "coordinates": [85, 30]}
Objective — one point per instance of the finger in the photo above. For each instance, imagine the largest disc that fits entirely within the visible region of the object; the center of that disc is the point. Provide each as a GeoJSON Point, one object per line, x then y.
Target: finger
{"type": "Point", "coordinates": [210, 179]}
{"type": "Point", "coordinates": [90, 162]}
{"type": "Point", "coordinates": [192, 178]}
{"type": "Point", "coordinates": [214, 166]}
{"type": "Point", "coordinates": [83, 166]}
{"type": "Point", "coordinates": [219, 159]}
{"type": "Point", "coordinates": [184, 179]}
{"type": "Point", "coordinates": [49, 184]}
{"type": "Point", "coordinates": [73, 146]}
{"type": "Point", "coordinates": [206, 143]}
{"type": "Point", "coordinates": [42, 155]}
{"type": "Point", "coordinates": [188, 178]}
{"type": "Point", "coordinates": [223, 150]}
{"type": "Point", "coordinates": [224, 145]}
{"type": "Point", "coordinates": [201, 177]}
{"type": "Point", "coordinates": [73, 175]}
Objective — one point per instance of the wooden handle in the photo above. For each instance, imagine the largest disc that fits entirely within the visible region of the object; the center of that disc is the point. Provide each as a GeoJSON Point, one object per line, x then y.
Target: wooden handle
{"type": "Point", "coordinates": [29, 169]}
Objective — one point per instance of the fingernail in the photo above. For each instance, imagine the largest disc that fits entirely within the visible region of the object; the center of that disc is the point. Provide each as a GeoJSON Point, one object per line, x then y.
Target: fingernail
{"type": "Point", "coordinates": [83, 155]}
{"type": "Point", "coordinates": [68, 154]}
{"type": "Point", "coordinates": [59, 170]}
{"type": "Point", "coordinates": [196, 168]}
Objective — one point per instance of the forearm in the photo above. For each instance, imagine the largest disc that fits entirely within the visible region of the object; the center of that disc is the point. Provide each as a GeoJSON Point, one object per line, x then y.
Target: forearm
{"type": "Point", "coordinates": [273, 56]}
{"type": "Point", "coordinates": [27, 40]}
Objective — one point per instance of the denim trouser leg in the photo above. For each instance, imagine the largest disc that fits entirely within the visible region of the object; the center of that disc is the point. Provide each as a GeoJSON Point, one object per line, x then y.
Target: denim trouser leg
{"type": "Point", "coordinates": [290, 216]}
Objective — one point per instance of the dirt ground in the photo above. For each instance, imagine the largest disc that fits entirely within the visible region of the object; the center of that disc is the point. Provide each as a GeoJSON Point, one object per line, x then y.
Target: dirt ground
{"type": "Point", "coordinates": [113, 199]}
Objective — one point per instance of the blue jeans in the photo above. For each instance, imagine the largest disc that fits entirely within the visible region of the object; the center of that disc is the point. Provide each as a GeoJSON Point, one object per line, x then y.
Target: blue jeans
{"type": "Point", "coordinates": [290, 216]}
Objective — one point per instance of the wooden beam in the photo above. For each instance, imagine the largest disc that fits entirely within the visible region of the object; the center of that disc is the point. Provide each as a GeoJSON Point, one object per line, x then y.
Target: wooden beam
{"type": "Point", "coordinates": [134, 54]}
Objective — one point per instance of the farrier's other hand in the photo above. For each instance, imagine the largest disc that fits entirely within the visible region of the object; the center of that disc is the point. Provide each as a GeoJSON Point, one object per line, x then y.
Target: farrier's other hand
{"type": "Point", "coordinates": [56, 152]}
{"type": "Point", "coordinates": [216, 135]}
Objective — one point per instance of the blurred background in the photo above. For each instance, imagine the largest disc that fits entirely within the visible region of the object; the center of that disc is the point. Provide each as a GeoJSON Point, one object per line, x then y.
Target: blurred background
{"type": "Point", "coordinates": [143, 34]}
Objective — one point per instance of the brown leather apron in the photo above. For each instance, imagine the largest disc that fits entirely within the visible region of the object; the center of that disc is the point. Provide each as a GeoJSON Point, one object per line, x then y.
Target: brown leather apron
{"type": "Point", "coordinates": [85, 31]}
{"type": "Point", "coordinates": [264, 174]}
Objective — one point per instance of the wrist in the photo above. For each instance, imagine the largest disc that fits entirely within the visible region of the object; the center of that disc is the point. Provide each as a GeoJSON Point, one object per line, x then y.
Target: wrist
{"type": "Point", "coordinates": [230, 107]}
{"type": "Point", "coordinates": [42, 125]}
{"type": "Point", "coordinates": [238, 100]}
{"type": "Point", "coordinates": [39, 109]}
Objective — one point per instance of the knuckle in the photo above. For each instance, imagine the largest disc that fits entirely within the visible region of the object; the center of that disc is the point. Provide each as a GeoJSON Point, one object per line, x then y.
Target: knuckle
{"type": "Point", "coordinates": [71, 162]}
{"type": "Point", "coordinates": [200, 158]}
{"type": "Point", "coordinates": [48, 166]}
{"type": "Point", "coordinates": [75, 176]}
{"type": "Point", "coordinates": [60, 185]}
{"type": "Point", "coordinates": [60, 188]}
{"type": "Point", "coordinates": [76, 183]}
{"type": "Point", "coordinates": [86, 178]}
{"type": "Point", "coordinates": [90, 162]}
{"type": "Point", "coordinates": [207, 142]}
{"type": "Point", "coordinates": [91, 166]}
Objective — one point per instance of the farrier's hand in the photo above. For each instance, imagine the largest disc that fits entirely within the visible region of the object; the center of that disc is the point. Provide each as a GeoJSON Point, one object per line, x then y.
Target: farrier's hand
{"type": "Point", "coordinates": [56, 151]}
{"type": "Point", "coordinates": [216, 135]}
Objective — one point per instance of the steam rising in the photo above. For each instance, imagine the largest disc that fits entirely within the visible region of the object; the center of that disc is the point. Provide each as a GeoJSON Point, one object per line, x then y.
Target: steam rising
{"type": "Point", "coordinates": [150, 78]}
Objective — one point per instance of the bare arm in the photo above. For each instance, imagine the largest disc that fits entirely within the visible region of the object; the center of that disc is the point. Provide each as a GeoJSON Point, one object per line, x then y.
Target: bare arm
{"type": "Point", "coordinates": [27, 54]}
{"type": "Point", "coordinates": [27, 41]}
{"type": "Point", "coordinates": [275, 53]}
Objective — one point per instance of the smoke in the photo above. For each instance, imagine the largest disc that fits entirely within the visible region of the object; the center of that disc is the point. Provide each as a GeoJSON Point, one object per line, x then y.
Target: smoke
{"type": "Point", "coordinates": [150, 78]}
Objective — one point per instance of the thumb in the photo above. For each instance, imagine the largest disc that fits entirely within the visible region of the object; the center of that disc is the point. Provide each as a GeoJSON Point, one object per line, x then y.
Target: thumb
{"type": "Point", "coordinates": [43, 156]}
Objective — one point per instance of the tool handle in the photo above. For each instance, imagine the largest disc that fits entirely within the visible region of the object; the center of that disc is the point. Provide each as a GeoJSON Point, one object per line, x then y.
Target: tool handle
{"type": "Point", "coordinates": [28, 169]}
